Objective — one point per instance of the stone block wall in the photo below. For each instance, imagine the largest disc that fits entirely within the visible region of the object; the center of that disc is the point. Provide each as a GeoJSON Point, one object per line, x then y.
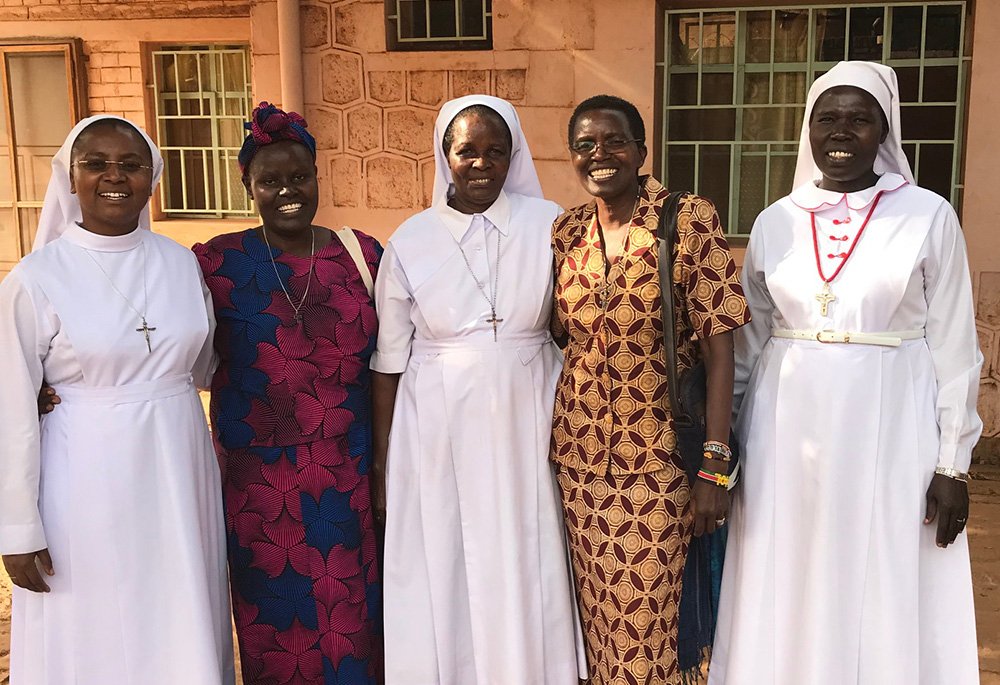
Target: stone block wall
{"type": "Point", "coordinates": [385, 153]}
{"type": "Point", "coordinates": [988, 324]}
{"type": "Point", "coordinates": [373, 111]}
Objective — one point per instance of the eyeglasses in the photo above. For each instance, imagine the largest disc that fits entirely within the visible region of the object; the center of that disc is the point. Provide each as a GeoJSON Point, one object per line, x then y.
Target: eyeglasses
{"type": "Point", "coordinates": [613, 146]}
{"type": "Point", "coordinates": [99, 166]}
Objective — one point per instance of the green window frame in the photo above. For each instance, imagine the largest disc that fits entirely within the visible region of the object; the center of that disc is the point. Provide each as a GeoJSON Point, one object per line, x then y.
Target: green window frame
{"type": "Point", "coordinates": [202, 95]}
{"type": "Point", "coordinates": [412, 25]}
{"type": "Point", "coordinates": [735, 82]}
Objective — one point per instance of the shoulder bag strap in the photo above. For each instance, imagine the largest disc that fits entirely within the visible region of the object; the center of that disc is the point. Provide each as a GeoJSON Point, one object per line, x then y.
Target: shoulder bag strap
{"type": "Point", "coordinates": [353, 247]}
{"type": "Point", "coordinates": [666, 232]}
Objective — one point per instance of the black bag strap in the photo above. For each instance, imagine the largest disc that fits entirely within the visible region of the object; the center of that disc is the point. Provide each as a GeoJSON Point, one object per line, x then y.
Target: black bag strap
{"type": "Point", "coordinates": [666, 232]}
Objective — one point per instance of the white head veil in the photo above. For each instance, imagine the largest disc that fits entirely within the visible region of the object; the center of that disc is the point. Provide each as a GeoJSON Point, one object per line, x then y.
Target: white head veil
{"type": "Point", "coordinates": [521, 177]}
{"type": "Point", "coordinates": [61, 207]}
{"type": "Point", "coordinates": [880, 81]}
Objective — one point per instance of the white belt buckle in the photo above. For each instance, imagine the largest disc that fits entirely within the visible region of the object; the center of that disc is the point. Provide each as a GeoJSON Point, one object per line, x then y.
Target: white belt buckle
{"type": "Point", "coordinates": [829, 336]}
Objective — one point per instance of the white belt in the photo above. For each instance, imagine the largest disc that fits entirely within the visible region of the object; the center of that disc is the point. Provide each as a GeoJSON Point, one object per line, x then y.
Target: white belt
{"type": "Point", "coordinates": [887, 339]}
{"type": "Point", "coordinates": [479, 343]}
{"type": "Point", "coordinates": [142, 391]}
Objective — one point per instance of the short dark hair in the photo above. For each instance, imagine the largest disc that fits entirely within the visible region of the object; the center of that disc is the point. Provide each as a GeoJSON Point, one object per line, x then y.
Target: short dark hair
{"type": "Point", "coordinates": [480, 110]}
{"type": "Point", "coordinates": [615, 104]}
{"type": "Point", "coordinates": [116, 124]}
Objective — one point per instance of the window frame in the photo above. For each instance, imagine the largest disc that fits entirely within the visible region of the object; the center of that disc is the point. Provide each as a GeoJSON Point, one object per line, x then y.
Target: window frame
{"type": "Point", "coordinates": [739, 68]}
{"type": "Point", "coordinates": [394, 42]}
{"type": "Point", "coordinates": [155, 119]}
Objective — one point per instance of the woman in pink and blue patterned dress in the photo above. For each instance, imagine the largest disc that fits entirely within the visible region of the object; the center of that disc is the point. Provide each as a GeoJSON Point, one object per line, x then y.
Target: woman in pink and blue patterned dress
{"type": "Point", "coordinates": [291, 416]}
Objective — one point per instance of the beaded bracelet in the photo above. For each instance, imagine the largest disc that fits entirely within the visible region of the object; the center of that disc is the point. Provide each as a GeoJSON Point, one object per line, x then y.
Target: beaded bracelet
{"type": "Point", "coordinates": [714, 478]}
{"type": "Point", "coordinates": [715, 456]}
{"type": "Point", "coordinates": [720, 448]}
{"type": "Point", "coordinates": [954, 474]}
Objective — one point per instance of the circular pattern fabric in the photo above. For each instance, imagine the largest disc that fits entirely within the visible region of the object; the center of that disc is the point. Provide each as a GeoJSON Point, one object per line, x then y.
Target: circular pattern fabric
{"type": "Point", "coordinates": [625, 493]}
{"type": "Point", "coordinates": [628, 540]}
{"type": "Point", "coordinates": [612, 410]}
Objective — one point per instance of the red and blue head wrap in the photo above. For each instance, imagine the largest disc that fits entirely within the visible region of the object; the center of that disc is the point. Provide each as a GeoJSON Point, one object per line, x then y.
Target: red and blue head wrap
{"type": "Point", "coordinates": [267, 125]}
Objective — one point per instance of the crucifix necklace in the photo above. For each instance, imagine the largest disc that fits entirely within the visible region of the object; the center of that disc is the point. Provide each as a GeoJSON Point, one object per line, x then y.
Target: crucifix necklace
{"type": "Point", "coordinates": [492, 302]}
{"type": "Point", "coordinates": [825, 297]}
{"type": "Point", "coordinates": [296, 311]}
{"type": "Point", "coordinates": [145, 329]}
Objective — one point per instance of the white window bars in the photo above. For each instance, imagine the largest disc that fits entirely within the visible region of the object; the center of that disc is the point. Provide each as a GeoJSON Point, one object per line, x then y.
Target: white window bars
{"type": "Point", "coordinates": [202, 97]}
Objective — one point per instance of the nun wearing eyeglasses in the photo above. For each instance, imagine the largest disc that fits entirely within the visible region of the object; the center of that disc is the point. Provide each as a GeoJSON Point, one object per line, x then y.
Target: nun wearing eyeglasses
{"type": "Point", "coordinates": [111, 522]}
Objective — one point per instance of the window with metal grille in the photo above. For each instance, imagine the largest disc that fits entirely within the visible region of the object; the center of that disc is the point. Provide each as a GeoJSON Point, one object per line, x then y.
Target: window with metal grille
{"type": "Point", "coordinates": [202, 98]}
{"type": "Point", "coordinates": [439, 24]}
{"type": "Point", "coordinates": [735, 84]}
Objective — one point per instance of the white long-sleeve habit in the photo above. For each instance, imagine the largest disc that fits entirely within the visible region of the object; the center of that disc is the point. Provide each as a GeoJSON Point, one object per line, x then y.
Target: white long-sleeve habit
{"type": "Point", "coordinates": [120, 482]}
{"type": "Point", "coordinates": [477, 581]}
{"type": "Point", "coordinates": [831, 576]}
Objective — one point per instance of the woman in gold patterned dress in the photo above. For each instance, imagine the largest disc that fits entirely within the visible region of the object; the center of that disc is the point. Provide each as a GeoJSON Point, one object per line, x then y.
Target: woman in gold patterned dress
{"type": "Point", "coordinates": [629, 507]}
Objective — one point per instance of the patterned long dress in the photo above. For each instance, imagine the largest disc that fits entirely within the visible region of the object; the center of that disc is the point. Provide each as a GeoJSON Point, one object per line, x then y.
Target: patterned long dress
{"type": "Point", "coordinates": [291, 419]}
{"type": "Point", "coordinates": [625, 493]}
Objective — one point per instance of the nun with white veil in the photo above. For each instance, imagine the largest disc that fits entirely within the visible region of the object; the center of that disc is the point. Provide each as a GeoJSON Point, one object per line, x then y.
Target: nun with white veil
{"type": "Point", "coordinates": [856, 386]}
{"type": "Point", "coordinates": [476, 575]}
{"type": "Point", "coordinates": [110, 509]}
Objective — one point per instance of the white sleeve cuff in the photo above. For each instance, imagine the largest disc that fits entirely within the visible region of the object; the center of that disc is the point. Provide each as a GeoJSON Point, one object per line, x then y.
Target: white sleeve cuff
{"type": "Point", "coordinates": [390, 362]}
{"type": "Point", "coordinates": [952, 456]}
{"type": "Point", "coordinates": [22, 538]}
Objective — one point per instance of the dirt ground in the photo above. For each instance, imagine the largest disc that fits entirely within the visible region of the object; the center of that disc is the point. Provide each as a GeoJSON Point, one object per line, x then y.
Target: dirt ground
{"type": "Point", "coordinates": [984, 540]}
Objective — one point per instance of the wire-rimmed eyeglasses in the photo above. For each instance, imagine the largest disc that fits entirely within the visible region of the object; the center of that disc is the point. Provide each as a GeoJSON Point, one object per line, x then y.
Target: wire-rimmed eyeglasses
{"type": "Point", "coordinates": [98, 166]}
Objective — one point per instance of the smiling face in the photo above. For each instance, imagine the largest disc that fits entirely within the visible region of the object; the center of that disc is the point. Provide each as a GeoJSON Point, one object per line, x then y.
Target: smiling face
{"type": "Point", "coordinates": [605, 174]}
{"type": "Point", "coordinates": [479, 159]}
{"type": "Point", "coordinates": [281, 179]}
{"type": "Point", "coordinates": [112, 200]}
{"type": "Point", "coordinates": [846, 128]}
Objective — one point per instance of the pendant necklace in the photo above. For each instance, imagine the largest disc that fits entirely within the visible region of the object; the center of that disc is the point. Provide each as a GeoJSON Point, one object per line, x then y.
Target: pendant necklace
{"type": "Point", "coordinates": [603, 297]}
{"type": "Point", "coordinates": [492, 302]}
{"type": "Point", "coordinates": [144, 329]}
{"type": "Point", "coordinates": [296, 311]}
{"type": "Point", "coordinates": [825, 297]}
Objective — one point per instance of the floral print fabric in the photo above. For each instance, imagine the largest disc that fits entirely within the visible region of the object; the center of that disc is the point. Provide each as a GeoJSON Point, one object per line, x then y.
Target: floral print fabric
{"type": "Point", "coordinates": [291, 417]}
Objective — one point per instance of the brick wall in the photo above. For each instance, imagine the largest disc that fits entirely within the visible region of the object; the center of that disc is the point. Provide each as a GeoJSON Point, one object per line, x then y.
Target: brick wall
{"type": "Point", "coordinates": [54, 10]}
{"type": "Point", "coordinates": [115, 80]}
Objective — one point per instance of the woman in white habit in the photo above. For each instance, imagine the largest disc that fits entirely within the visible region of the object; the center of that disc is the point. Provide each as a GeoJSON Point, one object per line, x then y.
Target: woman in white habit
{"type": "Point", "coordinates": [110, 509]}
{"type": "Point", "coordinates": [856, 387]}
{"type": "Point", "coordinates": [476, 575]}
